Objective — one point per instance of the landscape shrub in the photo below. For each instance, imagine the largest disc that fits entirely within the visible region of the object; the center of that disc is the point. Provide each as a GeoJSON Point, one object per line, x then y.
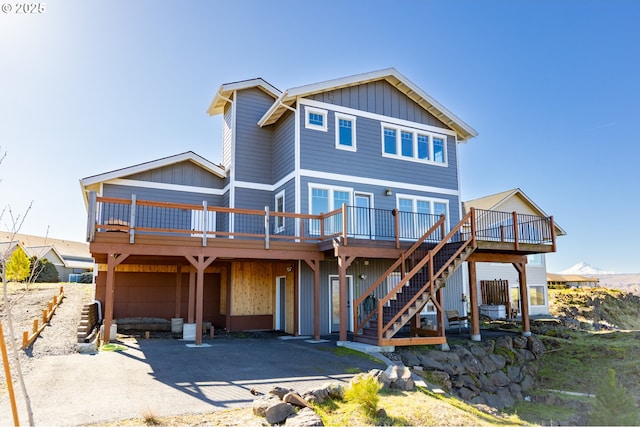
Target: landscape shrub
{"type": "Point", "coordinates": [363, 390]}
{"type": "Point", "coordinates": [614, 405]}
{"type": "Point", "coordinates": [46, 272]}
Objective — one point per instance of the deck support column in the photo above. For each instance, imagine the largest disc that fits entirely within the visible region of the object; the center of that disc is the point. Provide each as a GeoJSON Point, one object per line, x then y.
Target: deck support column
{"type": "Point", "coordinates": [314, 265]}
{"type": "Point", "coordinates": [191, 304]}
{"type": "Point", "coordinates": [200, 262]}
{"type": "Point", "coordinates": [343, 263]}
{"type": "Point", "coordinates": [524, 297]}
{"type": "Point", "coordinates": [473, 301]}
{"type": "Point", "coordinates": [113, 260]}
{"type": "Point", "coordinates": [178, 291]}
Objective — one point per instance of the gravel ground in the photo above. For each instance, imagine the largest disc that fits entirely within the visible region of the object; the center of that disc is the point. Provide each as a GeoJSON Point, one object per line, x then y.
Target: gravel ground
{"type": "Point", "coordinates": [59, 337]}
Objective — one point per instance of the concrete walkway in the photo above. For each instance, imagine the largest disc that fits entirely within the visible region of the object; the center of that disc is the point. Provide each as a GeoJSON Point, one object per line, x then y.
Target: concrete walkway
{"type": "Point", "coordinates": [166, 377]}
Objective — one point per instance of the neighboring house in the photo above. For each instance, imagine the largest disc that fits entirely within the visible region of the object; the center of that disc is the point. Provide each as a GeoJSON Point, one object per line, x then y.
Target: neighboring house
{"type": "Point", "coordinates": [516, 201]}
{"type": "Point", "coordinates": [70, 258]}
{"type": "Point", "coordinates": [336, 209]}
{"type": "Point", "coordinates": [572, 280]}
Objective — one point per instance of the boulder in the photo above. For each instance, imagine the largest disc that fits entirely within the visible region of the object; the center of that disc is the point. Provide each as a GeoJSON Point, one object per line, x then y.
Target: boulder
{"type": "Point", "coordinates": [295, 399]}
{"type": "Point", "coordinates": [306, 417]}
{"type": "Point", "coordinates": [409, 358]}
{"type": "Point", "coordinates": [478, 351]}
{"type": "Point", "coordinates": [466, 394]}
{"type": "Point", "coordinates": [535, 346]}
{"type": "Point", "coordinates": [262, 403]}
{"type": "Point", "coordinates": [499, 379]}
{"type": "Point", "coordinates": [505, 341]}
{"type": "Point", "coordinates": [278, 412]}
{"type": "Point", "coordinates": [280, 391]}
{"type": "Point", "coordinates": [430, 364]}
{"type": "Point", "coordinates": [334, 390]}
{"type": "Point", "coordinates": [519, 342]}
{"type": "Point", "coordinates": [437, 377]}
{"type": "Point", "coordinates": [505, 397]}
{"type": "Point", "coordinates": [441, 356]}
{"type": "Point", "coordinates": [382, 377]}
{"type": "Point", "coordinates": [400, 377]}
{"type": "Point", "coordinates": [498, 360]}
{"type": "Point", "coordinates": [515, 374]}
{"type": "Point", "coordinates": [316, 395]}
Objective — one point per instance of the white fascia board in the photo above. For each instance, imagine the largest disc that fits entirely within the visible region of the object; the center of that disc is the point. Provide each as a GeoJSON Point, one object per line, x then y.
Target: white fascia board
{"type": "Point", "coordinates": [154, 164]}
{"type": "Point", "coordinates": [340, 82]}
{"type": "Point", "coordinates": [378, 182]}
{"type": "Point", "coordinates": [225, 91]}
{"type": "Point", "coordinates": [265, 187]}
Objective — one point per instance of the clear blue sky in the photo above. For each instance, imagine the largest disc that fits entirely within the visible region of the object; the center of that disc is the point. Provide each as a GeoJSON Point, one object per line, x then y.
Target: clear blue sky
{"type": "Point", "coordinates": [552, 87]}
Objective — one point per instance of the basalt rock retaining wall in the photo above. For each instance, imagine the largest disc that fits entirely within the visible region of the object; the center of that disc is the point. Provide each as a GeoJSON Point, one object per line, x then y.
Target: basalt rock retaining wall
{"type": "Point", "coordinates": [496, 373]}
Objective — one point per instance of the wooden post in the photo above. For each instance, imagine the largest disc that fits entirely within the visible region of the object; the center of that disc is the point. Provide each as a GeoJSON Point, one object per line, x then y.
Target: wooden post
{"type": "Point", "coordinates": [515, 231]}
{"type": "Point", "coordinates": [473, 302]}
{"type": "Point", "coordinates": [178, 290]}
{"type": "Point", "coordinates": [45, 314]}
{"type": "Point", "coordinates": [25, 339]}
{"type": "Point", "coordinates": [524, 298]}
{"type": "Point", "coordinates": [7, 376]}
{"type": "Point", "coordinates": [113, 260]}
{"type": "Point", "coordinates": [192, 296]}
{"type": "Point", "coordinates": [396, 226]}
{"type": "Point", "coordinates": [553, 234]}
{"type": "Point", "coordinates": [200, 263]}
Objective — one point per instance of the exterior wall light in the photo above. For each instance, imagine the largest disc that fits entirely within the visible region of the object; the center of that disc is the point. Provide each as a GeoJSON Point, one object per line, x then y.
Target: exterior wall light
{"type": "Point", "coordinates": [388, 192]}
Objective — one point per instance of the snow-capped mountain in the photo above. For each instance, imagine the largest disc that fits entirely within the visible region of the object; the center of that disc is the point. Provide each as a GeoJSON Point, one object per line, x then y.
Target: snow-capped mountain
{"type": "Point", "coordinates": [584, 268]}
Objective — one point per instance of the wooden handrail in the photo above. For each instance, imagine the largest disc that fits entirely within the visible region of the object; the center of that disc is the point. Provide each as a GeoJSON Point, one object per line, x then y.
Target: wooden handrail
{"type": "Point", "coordinates": [400, 261]}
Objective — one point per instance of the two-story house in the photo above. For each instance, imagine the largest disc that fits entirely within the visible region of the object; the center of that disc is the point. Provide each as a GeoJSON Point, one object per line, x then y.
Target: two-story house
{"type": "Point", "coordinates": [336, 208]}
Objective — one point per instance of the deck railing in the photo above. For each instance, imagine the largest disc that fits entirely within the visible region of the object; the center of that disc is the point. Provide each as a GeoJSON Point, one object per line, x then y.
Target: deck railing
{"type": "Point", "coordinates": [136, 217]}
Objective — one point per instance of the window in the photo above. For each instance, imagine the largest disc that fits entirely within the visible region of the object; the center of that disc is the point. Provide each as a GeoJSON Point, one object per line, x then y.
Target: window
{"type": "Point", "coordinates": [324, 200]}
{"type": "Point", "coordinates": [407, 143]}
{"type": "Point", "coordinates": [536, 295]}
{"type": "Point", "coordinates": [279, 207]}
{"type": "Point", "coordinates": [413, 145]}
{"type": "Point", "coordinates": [315, 119]}
{"type": "Point", "coordinates": [418, 214]}
{"type": "Point", "coordinates": [345, 132]}
{"type": "Point", "coordinates": [535, 259]}
{"type": "Point", "coordinates": [390, 143]}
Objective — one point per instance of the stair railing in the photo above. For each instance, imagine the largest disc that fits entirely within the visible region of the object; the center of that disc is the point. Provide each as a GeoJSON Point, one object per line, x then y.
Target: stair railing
{"type": "Point", "coordinates": [465, 242]}
{"type": "Point", "coordinates": [465, 230]}
{"type": "Point", "coordinates": [399, 264]}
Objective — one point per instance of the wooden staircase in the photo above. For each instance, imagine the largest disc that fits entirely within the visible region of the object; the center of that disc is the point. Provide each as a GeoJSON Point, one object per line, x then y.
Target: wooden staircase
{"type": "Point", "coordinates": [424, 269]}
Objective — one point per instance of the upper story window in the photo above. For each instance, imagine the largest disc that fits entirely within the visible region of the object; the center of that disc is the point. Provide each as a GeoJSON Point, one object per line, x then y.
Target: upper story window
{"type": "Point", "coordinates": [345, 132]}
{"type": "Point", "coordinates": [415, 145]}
{"type": "Point", "coordinates": [315, 118]}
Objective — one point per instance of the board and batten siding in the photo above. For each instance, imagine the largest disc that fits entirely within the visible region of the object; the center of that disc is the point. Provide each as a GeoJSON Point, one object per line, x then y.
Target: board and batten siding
{"type": "Point", "coordinates": [253, 148]}
{"type": "Point", "coordinates": [183, 173]}
{"type": "Point", "coordinates": [382, 98]}
{"type": "Point", "coordinates": [515, 204]}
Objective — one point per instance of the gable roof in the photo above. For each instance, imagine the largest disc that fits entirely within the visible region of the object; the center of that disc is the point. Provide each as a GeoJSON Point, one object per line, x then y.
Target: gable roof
{"type": "Point", "coordinates": [73, 254]}
{"type": "Point", "coordinates": [391, 75]}
{"type": "Point", "coordinates": [494, 201]}
{"type": "Point", "coordinates": [154, 164]}
{"type": "Point", "coordinates": [222, 96]}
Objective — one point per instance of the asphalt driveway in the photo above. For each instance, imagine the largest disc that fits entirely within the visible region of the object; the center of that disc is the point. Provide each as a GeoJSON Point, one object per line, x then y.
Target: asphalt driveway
{"type": "Point", "coordinates": [166, 377]}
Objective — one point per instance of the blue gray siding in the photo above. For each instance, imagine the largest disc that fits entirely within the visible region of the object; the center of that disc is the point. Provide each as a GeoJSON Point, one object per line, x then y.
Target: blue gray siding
{"type": "Point", "coordinates": [253, 151]}
{"type": "Point", "coordinates": [284, 147]}
{"type": "Point", "coordinates": [380, 98]}
{"type": "Point", "coordinates": [183, 173]}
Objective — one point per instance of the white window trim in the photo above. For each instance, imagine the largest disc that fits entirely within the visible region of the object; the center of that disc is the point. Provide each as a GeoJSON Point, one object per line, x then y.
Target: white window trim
{"type": "Point", "coordinates": [414, 132]}
{"type": "Point", "coordinates": [312, 110]}
{"type": "Point", "coordinates": [432, 201]}
{"type": "Point", "coordinates": [331, 189]}
{"type": "Point", "coordinates": [352, 119]}
{"type": "Point", "coordinates": [278, 228]}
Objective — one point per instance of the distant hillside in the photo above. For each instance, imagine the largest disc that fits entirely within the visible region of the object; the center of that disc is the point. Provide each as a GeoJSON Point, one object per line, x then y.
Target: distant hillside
{"type": "Point", "coordinates": [620, 310]}
{"type": "Point", "coordinates": [584, 269]}
{"type": "Point", "coordinates": [623, 282]}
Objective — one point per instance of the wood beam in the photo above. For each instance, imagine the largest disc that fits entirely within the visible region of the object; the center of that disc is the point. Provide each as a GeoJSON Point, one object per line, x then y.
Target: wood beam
{"type": "Point", "coordinates": [178, 291]}
{"type": "Point", "coordinates": [473, 301]}
{"type": "Point", "coordinates": [524, 297]}
{"type": "Point", "coordinates": [113, 260]}
{"type": "Point", "coordinates": [496, 257]}
{"type": "Point", "coordinates": [314, 265]}
{"type": "Point", "coordinates": [343, 263]}
{"type": "Point", "coordinates": [192, 296]}
{"type": "Point", "coordinates": [200, 262]}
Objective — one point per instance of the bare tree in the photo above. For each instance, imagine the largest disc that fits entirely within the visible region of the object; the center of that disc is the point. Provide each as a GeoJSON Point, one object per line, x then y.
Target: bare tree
{"type": "Point", "coordinates": [16, 222]}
